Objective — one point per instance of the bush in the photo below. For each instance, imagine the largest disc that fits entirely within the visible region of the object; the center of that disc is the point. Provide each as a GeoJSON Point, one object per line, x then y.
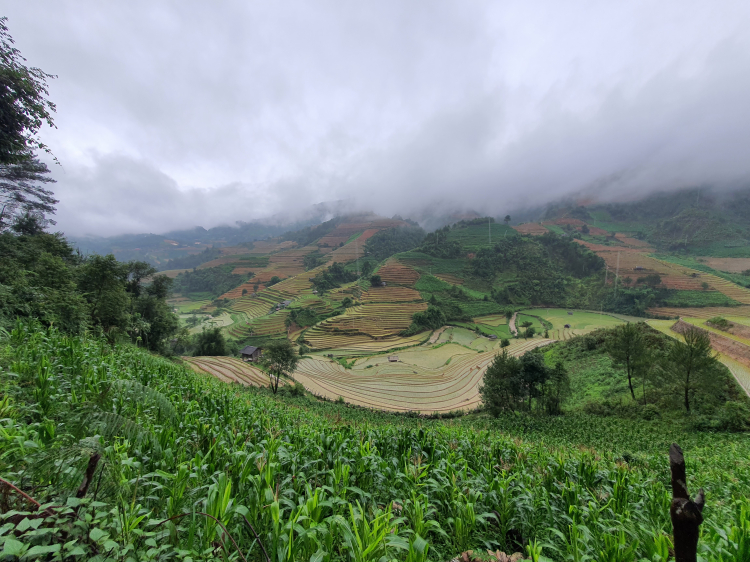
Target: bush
{"type": "Point", "coordinates": [505, 342]}
{"type": "Point", "coordinates": [650, 412]}
{"type": "Point", "coordinates": [376, 281]}
{"type": "Point", "coordinates": [734, 416]}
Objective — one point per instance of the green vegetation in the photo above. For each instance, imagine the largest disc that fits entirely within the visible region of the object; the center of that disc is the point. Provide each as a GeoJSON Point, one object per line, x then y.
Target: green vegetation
{"type": "Point", "coordinates": [475, 236]}
{"type": "Point", "coordinates": [279, 360]}
{"type": "Point", "coordinates": [696, 299]}
{"type": "Point", "coordinates": [640, 373]}
{"type": "Point", "coordinates": [526, 383]}
{"type": "Point", "coordinates": [334, 276]}
{"type": "Point", "coordinates": [313, 260]}
{"type": "Point", "coordinates": [173, 443]}
{"type": "Point", "coordinates": [385, 243]}
{"type": "Point", "coordinates": [213, 281]}
{"type": "Point", "coordinates": [192, 260]}
{"type": "Point", "coordinates": [740, 279]}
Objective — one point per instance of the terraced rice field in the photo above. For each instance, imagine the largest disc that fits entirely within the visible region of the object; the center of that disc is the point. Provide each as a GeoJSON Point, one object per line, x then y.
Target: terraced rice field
{"type": "Point", "coordinates": [376, 320]}
{"type": "Point", "coordinates": [398, 274]}
{"type": "Point", "coordinates": [354, 249]}
{"type": "Point", "coordinates": [229, 369]}
{"type": "Point", "coordinates": [730, 265]}
{"type": "Point", "coordinates": [705, 312]}
{"type": "Point", "coordinates": [390, 294]}
{"type": "Point", "coordinates": [343, 345]}
{"type": "Point", "coordinates": [448, 278]}
{"type": "Point", "coordinates": [533, 228]}
{"type": "Point", "coordinates": [492, 320]}
{"type": "Point", "coordinates": [405, 386]}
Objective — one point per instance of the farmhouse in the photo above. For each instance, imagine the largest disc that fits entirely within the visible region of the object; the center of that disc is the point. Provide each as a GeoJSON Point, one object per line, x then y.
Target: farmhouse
{"type": "Point", "coordinates": [393, 358]}
{"type": "Point", "coordinates": [251, 353]}
{"type": "Point", "coordinates": [493, 337]}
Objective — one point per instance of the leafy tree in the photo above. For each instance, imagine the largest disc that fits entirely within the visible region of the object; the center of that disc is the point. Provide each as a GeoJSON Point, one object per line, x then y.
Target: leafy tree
{"type": "Point", "coordinates": [279, 358]}
{"type": "Point", "coordinates": [385, 243]}
{"type": "Point", "coordinates": [692, 365]}
{"type": "Point", "coordinates": [210, 342]}
{"type": "Point", "coordinates": [102, 281]}
{"type": "Point", "coordinates": [585, 229]}
{"type": "Point", "coordinates": [502, 387]}
{"type": "Point", "coordinates": [313, 260]}
{"type": "Point", "coordinates": [347, 302]}
{"type": "Point", "coordinates": [530, 332]}
{"type": "Point", "coordinates": [534, 374]}
{"type": "Point", "coordinates": [557, 388]}
{"type": "Point", "coordinates": [507, 220]}
{"type": "Point", "coordinates": [376, 281]}
{"type": "Point", "coordinates": [437, 244]}
{"type": "Point", "coordinates": [21, 196]}
{"type": "Point", "coordinates": [275, 279]}
{"type": "Point", "coordinates": [213, 280]}
{"type": "Point", "coordinates": [627, 348]}
{"type": "Point", "coordinates": [367, 268]}
{"type": "Point", "coordinates": [333, 277]}
{"type": "Point", "coordinates": [24, 109]}
{"type": "Point", "coordinates": [24, 106]}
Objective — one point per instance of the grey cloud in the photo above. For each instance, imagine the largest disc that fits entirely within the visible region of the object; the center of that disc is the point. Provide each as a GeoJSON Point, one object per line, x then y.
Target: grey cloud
{"type": "Point", "coordinates": [175, 114]}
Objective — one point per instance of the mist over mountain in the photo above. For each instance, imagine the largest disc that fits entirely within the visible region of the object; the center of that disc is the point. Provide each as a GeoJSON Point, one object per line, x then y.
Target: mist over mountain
{"type": "Point", "coordinates": [395, 108]}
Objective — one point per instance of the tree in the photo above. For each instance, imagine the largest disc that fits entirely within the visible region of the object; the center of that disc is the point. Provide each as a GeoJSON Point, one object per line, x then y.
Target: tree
{"type": "Point", "coordinates": [102, 281]}
{"type": "Point", "coordinates": [367, 268]}
{"type": "Point", "coordinates": [627, 347]}
{"type": "Point", "coordinates": [585, 229]}
{"type": "Point", "coordinates": [210, 342]}
{"type": "Point", "coordinates": [24, 106]}
{"type": "Point", "coordinates": [534, 374]}
{"type": "Point", "coordinates": [21, 196]}
{"type": "Point", "coordinates": [530, 332]}
{"type": "Point", "coordinates": [557, 388]}
{"type": "Point", "coordinates": [507, 220]}
{"type": "Point", "coordinates": [279, 358]}
{"type": "Point", "coordinates": [502, 387]}
{"type": "Point", "coordinates": [691, 364]}
{"type": "Point", "coordinates": [376, 281]}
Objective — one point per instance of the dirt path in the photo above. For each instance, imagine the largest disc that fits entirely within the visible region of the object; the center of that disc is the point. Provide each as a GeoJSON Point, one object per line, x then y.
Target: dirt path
{"type": "Point", "coordinates": [512, 324]}
{"type": "Point", "coordinates": [436, 334]}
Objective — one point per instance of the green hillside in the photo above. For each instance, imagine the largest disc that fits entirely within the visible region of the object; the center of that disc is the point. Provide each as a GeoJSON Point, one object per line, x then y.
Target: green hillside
{"type": "Point", "coordinates": [182, 465]}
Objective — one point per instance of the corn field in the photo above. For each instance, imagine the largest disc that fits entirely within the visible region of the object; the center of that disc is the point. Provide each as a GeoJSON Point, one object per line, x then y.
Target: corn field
{"type": "Point", "coordinates": [186, 467]}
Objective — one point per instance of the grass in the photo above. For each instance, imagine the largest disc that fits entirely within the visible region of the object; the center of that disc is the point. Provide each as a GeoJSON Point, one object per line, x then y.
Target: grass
{"type": "Point", "coordinates": [579, 320]}
{"type": "Point", "coordinates": [476, 237]}
{"type": "Point", "coordinates": [698, 299]}
{"type": "Point", "coordinates": [739, 279]}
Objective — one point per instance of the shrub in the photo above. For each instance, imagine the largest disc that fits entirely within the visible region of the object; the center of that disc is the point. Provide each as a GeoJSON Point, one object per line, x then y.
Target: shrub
{"type": "Point", "coordinates": [734, 416]}
{"type": "Point", "coordinates": [505, 342]}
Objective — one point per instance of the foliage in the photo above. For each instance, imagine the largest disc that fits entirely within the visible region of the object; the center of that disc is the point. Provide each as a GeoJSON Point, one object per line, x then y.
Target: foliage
{"type": "Point", "coordinates": [510, 382]}
{"type": "Point", "coordinates": [313, 260]}
{"type": "Point", "coordinates": [193, 260]}
{"type": "Point", "coordinates": [692, 365]}
{"type": "Point", "coordinates": [213, 280]}
{"type": "Point", "coordinates": [210, 342]}
{"type": "Point", "coordinates": [627, 347]}
{"type": "Point", "coordinates": [376, 281]}
{"type": "Point", "coordinates": [385, 243]}
{"type": "Point", "coordinates": [24, 105]}
{"type": "Point", "coordinates": [437, 244]}
{"type": "Point", "coordinates": [720, 322]}
{"type": "Point", "coordinates": [334, 276]}
{"type": "Point", "coordinates": [279, 359]}
{"type": "Point", "coordinates": [326, 481]}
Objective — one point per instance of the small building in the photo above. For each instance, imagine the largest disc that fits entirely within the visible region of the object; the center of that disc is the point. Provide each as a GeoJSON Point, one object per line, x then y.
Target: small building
{"type": "Point", "coordinates": [493, 337]}
{"type": "Point", "coordinates": [570, 313]}
{"type": "Point", "coordinates": [284, 304]}
{"type": "Point", "coordinates": [393, 358]}
{"type": "Point", "coordinates": [251, 353]}
{"type": "Point", "coordinates": [639, 268]}
{"type": "Point", "coordinates": [383, 284]}
{"type": "Point", "coordinates": [567, 325]}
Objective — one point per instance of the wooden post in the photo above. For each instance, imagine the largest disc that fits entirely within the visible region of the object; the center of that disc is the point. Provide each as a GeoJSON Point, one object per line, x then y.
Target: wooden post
{"type": "Point", "coordinates": [686, 514]}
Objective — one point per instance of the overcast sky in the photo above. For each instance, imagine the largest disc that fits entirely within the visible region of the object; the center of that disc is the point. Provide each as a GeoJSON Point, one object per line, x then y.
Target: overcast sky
{"type": "Point", "coordinates": [180, 113]}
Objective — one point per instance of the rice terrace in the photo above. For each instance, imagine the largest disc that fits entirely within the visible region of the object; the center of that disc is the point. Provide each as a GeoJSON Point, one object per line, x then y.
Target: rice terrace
{"type": "Point", "coordinates": [374, 282]}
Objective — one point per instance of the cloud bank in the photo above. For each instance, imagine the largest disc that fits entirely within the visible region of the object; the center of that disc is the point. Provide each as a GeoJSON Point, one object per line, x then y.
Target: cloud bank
{"type": "Point", "coordinates": [176, 114]}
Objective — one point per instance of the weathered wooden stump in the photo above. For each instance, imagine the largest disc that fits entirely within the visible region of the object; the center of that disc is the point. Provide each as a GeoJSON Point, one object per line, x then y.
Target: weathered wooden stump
{"type": "Point", "coordinates": [686, 514]}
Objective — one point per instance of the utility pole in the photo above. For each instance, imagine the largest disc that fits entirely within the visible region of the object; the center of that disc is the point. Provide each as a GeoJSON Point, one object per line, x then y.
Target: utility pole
{"type": "Point", "coordinates": [356, 253]}
{"type": "Point", "coordinates": [617, 273]}
{"type": "Point", "coordinates": [489, 230]}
